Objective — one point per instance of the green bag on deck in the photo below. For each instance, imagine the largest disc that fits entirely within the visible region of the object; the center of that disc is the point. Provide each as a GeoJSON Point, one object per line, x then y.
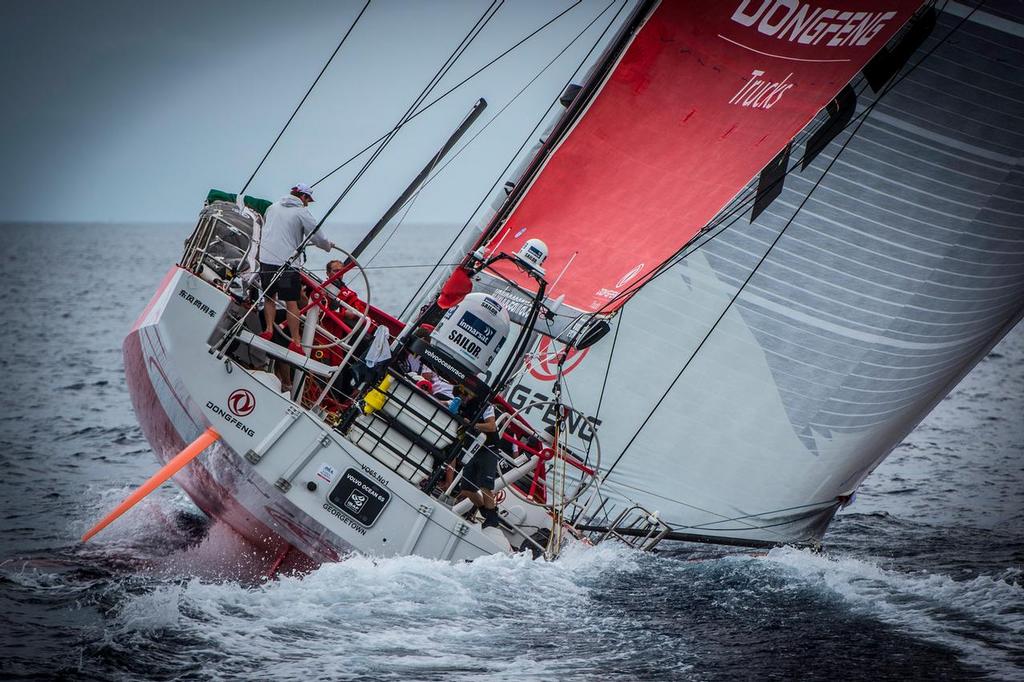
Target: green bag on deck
{"type": "Point", "coordinates": [255, 203]}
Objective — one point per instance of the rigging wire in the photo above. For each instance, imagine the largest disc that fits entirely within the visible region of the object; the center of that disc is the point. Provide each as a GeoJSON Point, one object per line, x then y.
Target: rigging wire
{"type": "Point", "coordinates": [304, 98]}
{"type": "Point", "coordinates": [406, 117]}
{"type": "Point", "coordinates": [445, 67]}
{"type": "Point", "coordinates": [608, 368]}
{"type": "Point", "coordinates": [405, 214]}
{"type": "Point", "coordinates": [860, 121]}
{"type": "Point", "coordinates": [732, 212]}
{"type": "Point", "coordinates": [454, 156]}
{"type": "Point", "coordinates": [404, 266]}
{"type": "Point", "coordinates": [740, 203]}
{"type": "Point", "coordinates": [722, 517]}
{"type": "Point", "coordinates": [737, 212]}
{"type": "Point", "coordinates": [526, 141]}
{"type": "Point", "coordinates": [450, 91]}
{"type": "Point", "coordinates": [436, 172]}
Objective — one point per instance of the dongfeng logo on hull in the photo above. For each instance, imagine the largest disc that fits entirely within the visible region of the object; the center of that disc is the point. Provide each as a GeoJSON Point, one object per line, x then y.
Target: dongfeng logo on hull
{"type": "Point", "coordinates": [544, 365]}
{"type": "Point", "coordinates": [241, 402]}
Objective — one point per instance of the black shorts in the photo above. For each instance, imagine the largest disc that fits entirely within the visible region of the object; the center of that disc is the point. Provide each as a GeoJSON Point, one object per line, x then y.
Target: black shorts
{"type": "Point", "coordinates": [481, 471]}
{"type": "Point", "coordinates": [287, 285]}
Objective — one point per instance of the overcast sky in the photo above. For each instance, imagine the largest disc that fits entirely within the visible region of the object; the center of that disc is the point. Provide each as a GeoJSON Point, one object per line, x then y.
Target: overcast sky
{"type": "Point", "coordinates": [129, 111]}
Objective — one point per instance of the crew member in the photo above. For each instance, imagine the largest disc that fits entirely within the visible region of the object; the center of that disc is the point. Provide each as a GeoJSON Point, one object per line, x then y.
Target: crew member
{"type": "Point", "coordinates": [479, 474]}
{"type": "Point", "coordinates": [288, 224]}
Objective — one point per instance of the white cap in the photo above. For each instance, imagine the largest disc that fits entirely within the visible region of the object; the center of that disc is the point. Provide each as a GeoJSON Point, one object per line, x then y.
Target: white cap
{"type": "Point", "coordinates": [303, 188]}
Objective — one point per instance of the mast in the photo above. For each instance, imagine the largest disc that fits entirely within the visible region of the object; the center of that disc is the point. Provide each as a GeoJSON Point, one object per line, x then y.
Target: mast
{"type": "Point", "coordinates": [579, 103]}
{"type": "Point", "coordinates": [471, 117]}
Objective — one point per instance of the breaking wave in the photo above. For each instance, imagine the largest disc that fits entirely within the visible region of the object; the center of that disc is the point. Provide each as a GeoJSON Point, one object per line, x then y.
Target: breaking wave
{"type": "Point", "coordinates": [397, 618]}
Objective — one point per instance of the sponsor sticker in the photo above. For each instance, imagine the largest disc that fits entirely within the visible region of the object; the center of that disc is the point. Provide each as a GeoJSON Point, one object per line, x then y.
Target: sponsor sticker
{"type": "Point", "coordinates": [202, 307]}
{"type": "Point", "coordinates": [326, 473]}
{"type": "Point", "coordinates": [355, 502]}
{"type": "Point", "coordinates": [477, 327]}
{"type": "Point", "coordinates": [544, 364]}
{"type": "Point", "coordinates": [230, 418]}
{"type": "Point", "coordinates": [628, 277]}
{"type": "Point", "coordinates": [359, 497]}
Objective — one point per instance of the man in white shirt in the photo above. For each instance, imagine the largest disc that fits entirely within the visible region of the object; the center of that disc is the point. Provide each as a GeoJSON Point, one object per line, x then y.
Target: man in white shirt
{"type": "Point", "coordinates": [288, 224]}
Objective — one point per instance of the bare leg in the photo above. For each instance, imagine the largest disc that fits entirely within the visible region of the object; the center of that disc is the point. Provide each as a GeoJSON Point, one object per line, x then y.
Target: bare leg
{"type": "Point", "coordinates": [483, 500]}
{"type": "Point", "coordinates": [470, 495]}
{"type": "Point", "coordinates": [269, 312]}
{"type": "Point", "coordinates": [293, 320]}
{"type": "Point", "coordinates": [487, 499]}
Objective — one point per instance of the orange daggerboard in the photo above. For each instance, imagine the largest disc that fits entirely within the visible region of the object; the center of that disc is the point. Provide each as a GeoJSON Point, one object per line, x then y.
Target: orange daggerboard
{"type": "Point", "coordinates": [193, 450]}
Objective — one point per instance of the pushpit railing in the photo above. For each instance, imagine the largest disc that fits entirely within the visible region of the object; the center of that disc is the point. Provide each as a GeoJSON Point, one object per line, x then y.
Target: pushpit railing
{"type": "Point", "coordinates": [222, 244]}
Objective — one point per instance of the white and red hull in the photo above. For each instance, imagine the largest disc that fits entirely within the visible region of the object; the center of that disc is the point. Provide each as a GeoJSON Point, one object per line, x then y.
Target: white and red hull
{"type": "Point", "coordinates": [178, 389]}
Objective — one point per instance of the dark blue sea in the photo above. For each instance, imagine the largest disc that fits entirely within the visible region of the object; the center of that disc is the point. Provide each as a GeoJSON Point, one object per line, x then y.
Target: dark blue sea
{"type": "Point", "coordinates": [921, 578]}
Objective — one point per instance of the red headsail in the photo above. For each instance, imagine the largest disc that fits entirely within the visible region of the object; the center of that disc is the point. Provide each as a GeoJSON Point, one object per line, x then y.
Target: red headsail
{"type": "Point", "coordinates": [704, 97]}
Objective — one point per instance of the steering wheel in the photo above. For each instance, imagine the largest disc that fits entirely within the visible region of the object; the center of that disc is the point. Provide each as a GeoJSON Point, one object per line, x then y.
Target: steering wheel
{"type": "Point", "coordinates": [321, 297]}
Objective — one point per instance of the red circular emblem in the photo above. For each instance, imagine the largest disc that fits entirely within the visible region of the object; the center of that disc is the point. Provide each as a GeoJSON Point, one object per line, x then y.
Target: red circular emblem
{"type": "Point", "coordinates": [241, 402]}
{"type": "Point", "coordinates": [544, 365]}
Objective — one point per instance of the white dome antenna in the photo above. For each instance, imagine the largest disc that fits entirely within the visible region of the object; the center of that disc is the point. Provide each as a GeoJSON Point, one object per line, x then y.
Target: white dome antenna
{"type": "Point", "coordinates": [532, 254]}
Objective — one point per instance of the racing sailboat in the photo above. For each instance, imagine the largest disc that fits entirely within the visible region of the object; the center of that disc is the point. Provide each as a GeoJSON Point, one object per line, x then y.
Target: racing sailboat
{"type": "Point", "coordinates": [757, 246]}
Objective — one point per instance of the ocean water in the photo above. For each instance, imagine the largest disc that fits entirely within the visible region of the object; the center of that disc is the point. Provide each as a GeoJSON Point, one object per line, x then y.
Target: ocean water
{"type": "Point", "coordinates": [921, 578]}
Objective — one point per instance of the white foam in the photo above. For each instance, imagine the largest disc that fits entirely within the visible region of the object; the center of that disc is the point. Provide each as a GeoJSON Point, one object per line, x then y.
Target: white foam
{"type": "Point", "coordinates": [414, 616]}
{"type": "Point", "coordinates": [154, 515]}
{"type": "Point", "coordinates": [156, 610]}
{"type": "Point", "coordinates": [222, 554]}
{"type": "Point", "coordinates": [930, 606]}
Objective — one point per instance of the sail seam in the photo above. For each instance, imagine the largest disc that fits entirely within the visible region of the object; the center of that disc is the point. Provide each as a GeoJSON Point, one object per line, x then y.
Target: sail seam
{"type": "Point", "coordinates": [738, 205]}
{"type": "Point", "coordinates": [861, 119]}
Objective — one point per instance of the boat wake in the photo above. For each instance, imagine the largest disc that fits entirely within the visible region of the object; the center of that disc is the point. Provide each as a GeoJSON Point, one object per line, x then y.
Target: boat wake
{"type": "Point", "coordinates": [982, 619]}
{"type": "Point", "coordinates": [595, 613]}
{"type": "Point", "coordinates": [406, 617]}
{"type": "Point", "coordinates": [170, 588]}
